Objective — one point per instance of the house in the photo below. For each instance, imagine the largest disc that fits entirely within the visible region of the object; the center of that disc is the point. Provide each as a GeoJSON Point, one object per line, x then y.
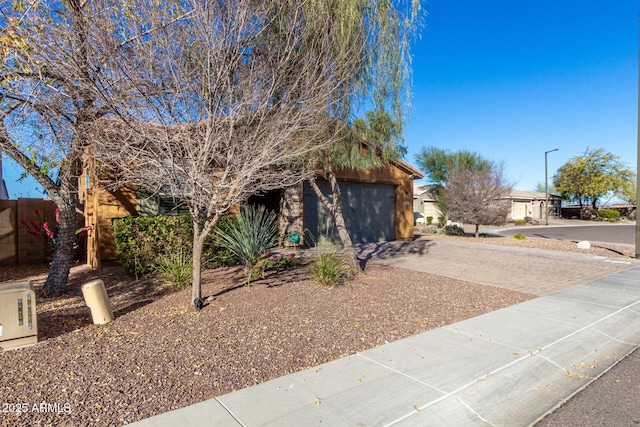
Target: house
{"type": "Point", "coordinates": [377, 206]}
{"type": "Point", "coordinates": [424, 203]}
{"type": "Point", "coordinates": [530, 204]}
{"type": "Point", "coordinates": [524, 204]}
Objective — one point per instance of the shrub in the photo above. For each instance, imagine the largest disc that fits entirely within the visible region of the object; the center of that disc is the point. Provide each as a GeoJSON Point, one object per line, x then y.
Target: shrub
{"type": "Point", "coordinates": [255, 232]}
{"type": "Point", "coordinates": [519, 237]}
{"type": "Point", "coordinates": [609, 213]}
{"type": "Point", "coordinates": [273, 262]}
{"type": "Point", "coordinates": [328, 266]}
{"type": "Point", "coordinates": [441, 220]}
{"type": "Point", "coordinates": [141, 241]}
{"type": "Point", "coordinates": [520, 222]}
{"type": "Point", "coordinates": [429, 220]}
{"type": "Point", "coordinates": [453, 230]}
{"type": "Point", "coordinates": [429, 229]}
{"type": "Point", "coordinates": [278, 261]}
{"type": "Point", "coordinates": [176, 268]}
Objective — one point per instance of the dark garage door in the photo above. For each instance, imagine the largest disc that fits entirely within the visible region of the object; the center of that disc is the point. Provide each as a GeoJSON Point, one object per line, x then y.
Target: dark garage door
{"type": "Point", "coordinates": [369, 211]}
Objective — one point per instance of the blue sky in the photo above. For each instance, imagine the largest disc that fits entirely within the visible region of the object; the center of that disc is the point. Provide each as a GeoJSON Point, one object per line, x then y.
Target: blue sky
{"type": "Point", "coordinates": [512, 79]}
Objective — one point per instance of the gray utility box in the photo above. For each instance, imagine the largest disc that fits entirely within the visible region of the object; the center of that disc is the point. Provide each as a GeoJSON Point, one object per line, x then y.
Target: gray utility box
{"type": "Point", "coordinates": [18, 318]}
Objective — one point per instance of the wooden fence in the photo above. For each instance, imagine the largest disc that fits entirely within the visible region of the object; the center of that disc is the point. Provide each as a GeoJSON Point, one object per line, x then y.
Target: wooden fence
{"type": "Point", "coordinates": [22, 239]}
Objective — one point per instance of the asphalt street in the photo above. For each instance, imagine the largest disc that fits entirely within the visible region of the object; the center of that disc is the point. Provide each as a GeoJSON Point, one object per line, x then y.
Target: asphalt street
{"type": "Point", "coordinates": [612, 400]}
{"type": "Point", "coordinates": [610, 233]}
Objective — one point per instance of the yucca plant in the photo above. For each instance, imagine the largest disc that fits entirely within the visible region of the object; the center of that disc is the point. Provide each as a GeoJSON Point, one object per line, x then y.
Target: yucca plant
{"type": "Point", "coordinates": [328, 266]}
{"type": "Point", "coordinates": [255, 232]}
{"type": "Point", "coordinates": [176, 268]}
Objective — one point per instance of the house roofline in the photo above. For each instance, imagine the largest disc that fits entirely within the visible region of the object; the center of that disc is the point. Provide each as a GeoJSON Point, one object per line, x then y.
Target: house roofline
{"type": "Point", "coordinates": [411, 170]}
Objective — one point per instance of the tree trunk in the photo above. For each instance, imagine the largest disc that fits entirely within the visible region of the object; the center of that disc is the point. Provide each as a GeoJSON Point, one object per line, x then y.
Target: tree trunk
{"type": "Point", "coordinates": [336, 210]}
{"type": "Point", "coordinates": [196, 282]}
{"type": "Point", "coordinates": [477, 230]}
{"type": "Point", "coordinates": [581, 209]}
{"type": "Point", "coordinates": [65, 239]}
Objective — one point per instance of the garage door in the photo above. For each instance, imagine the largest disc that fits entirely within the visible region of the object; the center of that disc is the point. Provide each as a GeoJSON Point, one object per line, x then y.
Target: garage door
{"type": "Point", "coordinates": [369, 211]}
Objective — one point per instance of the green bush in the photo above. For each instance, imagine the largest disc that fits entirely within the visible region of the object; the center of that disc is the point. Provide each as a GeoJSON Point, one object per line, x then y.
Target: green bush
{"type": "Point", "coordinates": [441, 220]}
{"type": "Point", "coordinates": [519, 237]}
{"type": "Point", "coordinates": [609, 213]}
{"type": "Point", "coordinates": [176, 268]}
{"type": "Point", "coordinates": [429, 220]}
{"type": "Point", "coordinates": [328, 266]}
{"type": "Point", "coordinates": [142, 240]}
{"type": "Point", "coordinates": [520, 222]}
{"type": "Point", "coordinates": [255, 232]}
{"type": "Point", "coordinates": [453, 230]}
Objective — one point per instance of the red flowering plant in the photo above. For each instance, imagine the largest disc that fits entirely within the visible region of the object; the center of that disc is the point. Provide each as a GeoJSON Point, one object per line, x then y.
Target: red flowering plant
{"type": "Point", "coordinates": [269, 261]}
{"type": "Point", "coordinates": [34, 227]}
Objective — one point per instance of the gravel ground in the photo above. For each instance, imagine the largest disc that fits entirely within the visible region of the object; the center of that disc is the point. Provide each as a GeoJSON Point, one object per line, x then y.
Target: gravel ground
{"type": "Point", "coordinates": [160, 355]}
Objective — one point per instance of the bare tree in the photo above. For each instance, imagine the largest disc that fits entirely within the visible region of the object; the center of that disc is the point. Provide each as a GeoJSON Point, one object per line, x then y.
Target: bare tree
{"type": "Point", "coordinates": [234, 98]}
{"type": "Point", "coordinates": [52, 78]}
{"type": "Point", "coordinates": [477, 196]}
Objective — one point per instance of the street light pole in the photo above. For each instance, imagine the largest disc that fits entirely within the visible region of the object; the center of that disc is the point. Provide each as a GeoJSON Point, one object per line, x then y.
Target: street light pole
{"type": "Point", "coordinates": [546, 187]}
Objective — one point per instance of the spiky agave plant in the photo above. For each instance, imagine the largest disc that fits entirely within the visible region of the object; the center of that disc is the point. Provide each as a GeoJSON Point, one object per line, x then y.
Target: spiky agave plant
{"type": "Point", "coordinates": [255, 233]}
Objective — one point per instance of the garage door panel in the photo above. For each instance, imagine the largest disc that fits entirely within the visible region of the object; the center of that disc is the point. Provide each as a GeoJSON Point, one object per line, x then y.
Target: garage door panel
{"type": "Point", "coordinates": [369, 211]}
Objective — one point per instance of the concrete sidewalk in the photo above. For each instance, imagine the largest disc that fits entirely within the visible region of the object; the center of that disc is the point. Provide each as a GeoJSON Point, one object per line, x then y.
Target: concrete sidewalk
{"type": "Point", "coordinates": [505, 368]}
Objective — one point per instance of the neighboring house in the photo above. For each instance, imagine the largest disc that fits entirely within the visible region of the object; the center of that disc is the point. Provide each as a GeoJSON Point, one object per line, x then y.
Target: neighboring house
{"type": "Point", "coordinates": [524, 204]}
{"type": "Point", "coordinates": [4, 195]}
{"type": "Point", "coordinates": [377, 206]}
{"type": "Point", "coordinates": [424, 203]}
{"type": "Point", "coordinates": [530, 204]}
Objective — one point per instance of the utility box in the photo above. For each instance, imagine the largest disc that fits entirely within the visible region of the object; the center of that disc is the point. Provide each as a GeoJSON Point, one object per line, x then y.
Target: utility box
{"type": "Point", "coordinates": [95, 295]}
{"type": "Point", "coordinates": [18, 318]}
